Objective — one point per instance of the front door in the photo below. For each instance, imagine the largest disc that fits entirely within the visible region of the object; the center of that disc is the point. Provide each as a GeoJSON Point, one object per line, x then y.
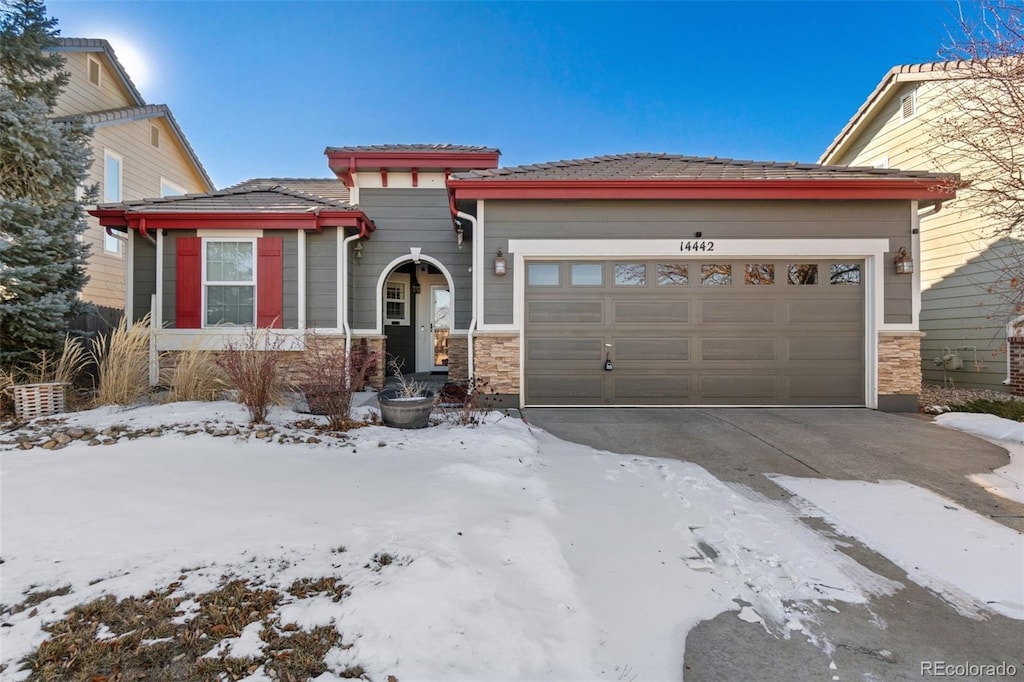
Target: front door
{"type": "Point", "coordinates": [434, 322]}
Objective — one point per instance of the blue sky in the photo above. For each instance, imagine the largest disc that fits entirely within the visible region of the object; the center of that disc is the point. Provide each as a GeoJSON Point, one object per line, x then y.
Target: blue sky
{"type": "Point", "coordinates": [260, 88]}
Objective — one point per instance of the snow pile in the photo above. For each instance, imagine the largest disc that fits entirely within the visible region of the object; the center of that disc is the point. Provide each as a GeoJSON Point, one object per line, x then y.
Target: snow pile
{"type": "Point", "coordinates": [1007, 481]}
{"type": "Point", "coordinates": [974, 563]}
{"type": "Point", "coordinates": [509, 554]}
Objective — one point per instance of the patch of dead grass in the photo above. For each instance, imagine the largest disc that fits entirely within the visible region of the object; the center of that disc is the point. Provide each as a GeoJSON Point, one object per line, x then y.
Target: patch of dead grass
{"type": "Point", "coordinates": [143, 638]}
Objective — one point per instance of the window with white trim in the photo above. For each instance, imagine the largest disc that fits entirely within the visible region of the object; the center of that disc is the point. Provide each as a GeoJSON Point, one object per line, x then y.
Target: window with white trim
{"type": "Point", "coordinates": [169, 189]}
{"type": "Point", "coordinates": [111, 192]}
{"type": "Point", "coordinates": [95, 69]}
{"type": "Point", "coordinates": [396, 300]}
{"type": "Point", "coordinates": [229, 282]}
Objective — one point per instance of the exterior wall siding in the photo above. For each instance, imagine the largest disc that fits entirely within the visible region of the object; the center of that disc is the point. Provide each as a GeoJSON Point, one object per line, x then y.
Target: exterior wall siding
{"type": "Point", "coordinates": [322, 279]}
{"type": "Point", "coordinates": [716, 220]}
{"type": "Point", "coordinates": [144, 285]}
{"type": "Point", "coordinates": [142, 166]}
{"type": "Point", "coordinates": [406, 218]}
{"type": "Point", "coordinates": [962, 257]}
{"type": "Point", "coordinates": [290, 283]}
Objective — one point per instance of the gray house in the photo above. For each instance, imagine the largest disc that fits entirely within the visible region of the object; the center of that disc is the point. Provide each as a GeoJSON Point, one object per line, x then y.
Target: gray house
{"type": "Point", "coordinates": [635, 279]}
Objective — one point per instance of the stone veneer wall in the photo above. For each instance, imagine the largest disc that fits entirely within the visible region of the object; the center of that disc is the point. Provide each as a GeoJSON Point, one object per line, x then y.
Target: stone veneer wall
{"type": "Point", "coordinates": [458, 358]}
{"type": "Point", "coordinates": [290, 371]}
{"type": "Point", "coordinates": [899, 370]}
{"type": "Point", "coordinates": [1016, 365]}
{"type": "Point", "coordinates": [496, 360]}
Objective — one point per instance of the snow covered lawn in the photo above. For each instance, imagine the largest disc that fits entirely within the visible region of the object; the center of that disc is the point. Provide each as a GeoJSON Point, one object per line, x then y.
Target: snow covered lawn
{"type": "Point", "coordinates": [497, 552]}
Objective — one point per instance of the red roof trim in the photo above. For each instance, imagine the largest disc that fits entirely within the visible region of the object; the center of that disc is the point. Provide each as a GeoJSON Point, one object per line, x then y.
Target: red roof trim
{"type": "Point", "coordinates": [922, 189]}
{"type": "Point", "coordinates": [234, 221]}
{"type": "Point", "coordinates": [343, 164]}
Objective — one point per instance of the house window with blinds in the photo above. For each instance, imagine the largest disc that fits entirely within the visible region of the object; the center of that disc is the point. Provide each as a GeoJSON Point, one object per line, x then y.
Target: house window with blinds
{"type": "Point", "coordinates": [396, 301]}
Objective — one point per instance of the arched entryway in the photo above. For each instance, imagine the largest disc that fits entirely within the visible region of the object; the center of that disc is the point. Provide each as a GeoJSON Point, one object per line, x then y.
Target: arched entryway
{"type": "Point", "coordinates": [417, 313]}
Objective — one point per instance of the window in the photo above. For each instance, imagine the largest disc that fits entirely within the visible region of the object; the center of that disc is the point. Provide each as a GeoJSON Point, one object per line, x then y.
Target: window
{"type": "Point", "coordinates": [154, 136]}
{"type": "Point", "coordinates": [673, 274]}
{"type": "Point", "coordinates": [229, 282]}
{"type": "Point", "coordinates": [396, 299]}
{"type": "Point", "coordinates": [169, 189]}
{"type": "Point", "coordinates": [630, 274]}
{"type": "Point", "coordinates": [908, 105]}
{"type": "Point", "coordinates": [844, 273]}
{"type": "Point", "coordinates": [542, 274]}
{"type": "Point", "coordinates": [587, 274]}
{"type": "Point", "coordinates": [715, 275]}
{"type": "Point", "coordinates": [802, 273]}
{"type": "Point", "coordinates": [756, 274]}
{"type": "Point", "coordinates": [94, 71]}
{"type": "Point", "coordinates": [111, 193]}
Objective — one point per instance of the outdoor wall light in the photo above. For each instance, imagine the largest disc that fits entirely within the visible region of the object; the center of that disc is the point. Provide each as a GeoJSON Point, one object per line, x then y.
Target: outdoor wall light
{"type": "Point", "coordinates": [499, 264]}
{"type": "Point", "coordinates": [358, 248]}
{"type": "Point", "coordinates": [460, 235]}
{"type": "Point", "coordinates": [904, 263]}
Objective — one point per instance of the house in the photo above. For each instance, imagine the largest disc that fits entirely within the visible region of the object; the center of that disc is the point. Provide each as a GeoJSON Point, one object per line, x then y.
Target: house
{"type": "Point", "coordinates": [138, 149]}
{"type": "Point", "coordinates": [633, 279]}
{"type": "Point", "coordinates": [963, 314]}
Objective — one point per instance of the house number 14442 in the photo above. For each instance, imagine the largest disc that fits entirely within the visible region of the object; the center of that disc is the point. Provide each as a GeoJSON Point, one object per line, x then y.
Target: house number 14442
{"type": "Point", "coordinates": [697, 246]}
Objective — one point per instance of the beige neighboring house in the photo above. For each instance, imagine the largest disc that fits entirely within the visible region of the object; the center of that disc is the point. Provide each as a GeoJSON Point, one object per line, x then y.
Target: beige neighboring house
{"type": "Point", "coordinates": [139, 151]}
{"type": "Point", "coordinates": [957, 253]}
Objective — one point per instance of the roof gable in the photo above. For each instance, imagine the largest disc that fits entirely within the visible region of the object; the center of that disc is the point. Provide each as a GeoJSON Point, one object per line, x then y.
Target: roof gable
{"type": "Point", "coordinates": [882, 94]}
{"type": "Point", "coordinates": [101, 45]}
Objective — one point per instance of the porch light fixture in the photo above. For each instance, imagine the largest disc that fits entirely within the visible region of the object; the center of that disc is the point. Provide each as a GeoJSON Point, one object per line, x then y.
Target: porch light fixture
{"type": "Point", "coordinates": [415, 284]}
{"type": "Point", "coordinates": [358, 248]}
{"type": "Point", "coordinates": [904, 263]}
{"type": "Point", "coordinates": [499, 264]}
{"type": "Point", "coordinates": [460, 235]}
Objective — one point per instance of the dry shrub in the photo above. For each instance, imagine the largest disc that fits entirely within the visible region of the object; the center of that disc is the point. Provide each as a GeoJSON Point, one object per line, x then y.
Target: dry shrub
{"type": "Point", "coordinates": [195, 376]}
{"type": "Point", "coordinates": [251, 367]}
{"type": "Point", "coordinates": [122, 363]}
{"type": "Point", "coordinates": [332, 376]}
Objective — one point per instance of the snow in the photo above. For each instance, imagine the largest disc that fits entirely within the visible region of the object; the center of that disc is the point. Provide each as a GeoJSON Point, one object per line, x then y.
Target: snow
{"type": "Point", "coordinates": [974, 563]}
{"type": "Point", "coordinates": [495, 552]}
{"type": "Point", "coordinates": [1007, 481]}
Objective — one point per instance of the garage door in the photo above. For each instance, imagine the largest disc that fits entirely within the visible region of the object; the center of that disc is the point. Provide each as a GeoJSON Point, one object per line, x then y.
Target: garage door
{"type": "Point", "coordinates": [695, 332]}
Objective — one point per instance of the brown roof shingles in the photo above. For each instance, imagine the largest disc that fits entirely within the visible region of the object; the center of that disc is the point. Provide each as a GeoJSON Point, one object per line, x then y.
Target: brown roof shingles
{"type": "Point", "coordinates": [253, 196]}
{"type": "Point", "coordinates": [659, 166]}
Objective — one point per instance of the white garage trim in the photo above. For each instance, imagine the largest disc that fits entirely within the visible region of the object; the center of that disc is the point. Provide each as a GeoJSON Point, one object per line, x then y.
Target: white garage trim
{"type": "Point", "coordinates": [872, 251]}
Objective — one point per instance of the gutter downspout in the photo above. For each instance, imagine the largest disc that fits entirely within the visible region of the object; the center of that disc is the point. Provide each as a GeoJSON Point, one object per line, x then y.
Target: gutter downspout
{"type": "Point", "coordinates": [474, 301]}
{"type": "Point", "coordinates": [344, 298]}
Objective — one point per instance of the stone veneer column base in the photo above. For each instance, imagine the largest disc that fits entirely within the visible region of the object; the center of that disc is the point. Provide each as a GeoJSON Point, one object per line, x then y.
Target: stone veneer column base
{"type": "Point", "coordinates": [496, 361]}
{"type": "Point", "coordinates": [458, 358]}
{"type": "Point", "coordinates": [374, 343]}
{"type": "Point", "coordinates": [899, 370]}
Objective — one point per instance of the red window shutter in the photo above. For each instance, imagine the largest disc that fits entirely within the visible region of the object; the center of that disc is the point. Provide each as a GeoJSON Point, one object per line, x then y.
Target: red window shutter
{"type": "Point", "coordinates": [188, 312]}
{"type": "Point", "coordinates": [269, 282]}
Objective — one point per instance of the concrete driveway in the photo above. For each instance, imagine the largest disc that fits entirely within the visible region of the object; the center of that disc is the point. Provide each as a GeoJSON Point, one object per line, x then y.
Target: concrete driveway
{"type": "Point", "coordinates": [884, 640]}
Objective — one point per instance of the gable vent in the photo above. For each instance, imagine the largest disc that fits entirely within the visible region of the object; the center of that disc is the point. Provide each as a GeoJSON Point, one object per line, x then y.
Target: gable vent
{"type": "Point", "coordinates": [908, 105]}
{"type": "Point", "coordinates": [94, 72]}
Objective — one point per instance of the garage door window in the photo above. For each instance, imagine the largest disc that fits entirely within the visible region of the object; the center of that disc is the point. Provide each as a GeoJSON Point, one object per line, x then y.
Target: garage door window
{"type": "Point", "coordinates": [587, 274]}
{"type": "Point", "coordinates": [802, 273]}
{"type": "Point", "coordinates": [630, 274]}
{"type": "Point", "coordinates": [757, 274]}
{"type": "Point", "coordinates": [542, 274]}
{"type": "Point", "coordinates": [673, 274]}
{"type": "Point", "coordinates": [845, 273]}
{"type": "Point", "coordinates": [715, 275]}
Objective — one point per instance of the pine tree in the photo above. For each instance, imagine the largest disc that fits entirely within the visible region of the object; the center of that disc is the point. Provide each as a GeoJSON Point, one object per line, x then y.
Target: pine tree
{"type": "Point", "coordinates": [42, 165]}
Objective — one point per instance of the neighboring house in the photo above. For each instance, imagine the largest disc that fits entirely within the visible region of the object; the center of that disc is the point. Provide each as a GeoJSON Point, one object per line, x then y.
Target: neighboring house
{"type": "Point", "coordinates": [138, 151]}
{"type": "Point", "coordinates": [634, 279]}
{"type": "Point", "coordinates": [963, 313]}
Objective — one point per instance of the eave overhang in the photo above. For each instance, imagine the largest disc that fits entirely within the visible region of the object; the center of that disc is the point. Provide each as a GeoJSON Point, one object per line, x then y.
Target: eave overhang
{"type": "Point", "coordinates": [146, 221]}
{"type": "Point", "coordinates": [344, 163]}
{"type": "Point", "coordinates": [924, 190]}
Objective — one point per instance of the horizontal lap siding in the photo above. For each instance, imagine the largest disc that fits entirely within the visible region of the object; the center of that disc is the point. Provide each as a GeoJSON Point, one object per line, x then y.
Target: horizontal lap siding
{"type": "Point", "coordinates": [716, 220]}
{"type": "Point", "coordinates": [144, 285]}
{"type": "Point", "coordinates": [961, 257]}
{"type": "Point", "coordinates": [322, 279]}
{"type": "Point", "coordinates": [406, 218]}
